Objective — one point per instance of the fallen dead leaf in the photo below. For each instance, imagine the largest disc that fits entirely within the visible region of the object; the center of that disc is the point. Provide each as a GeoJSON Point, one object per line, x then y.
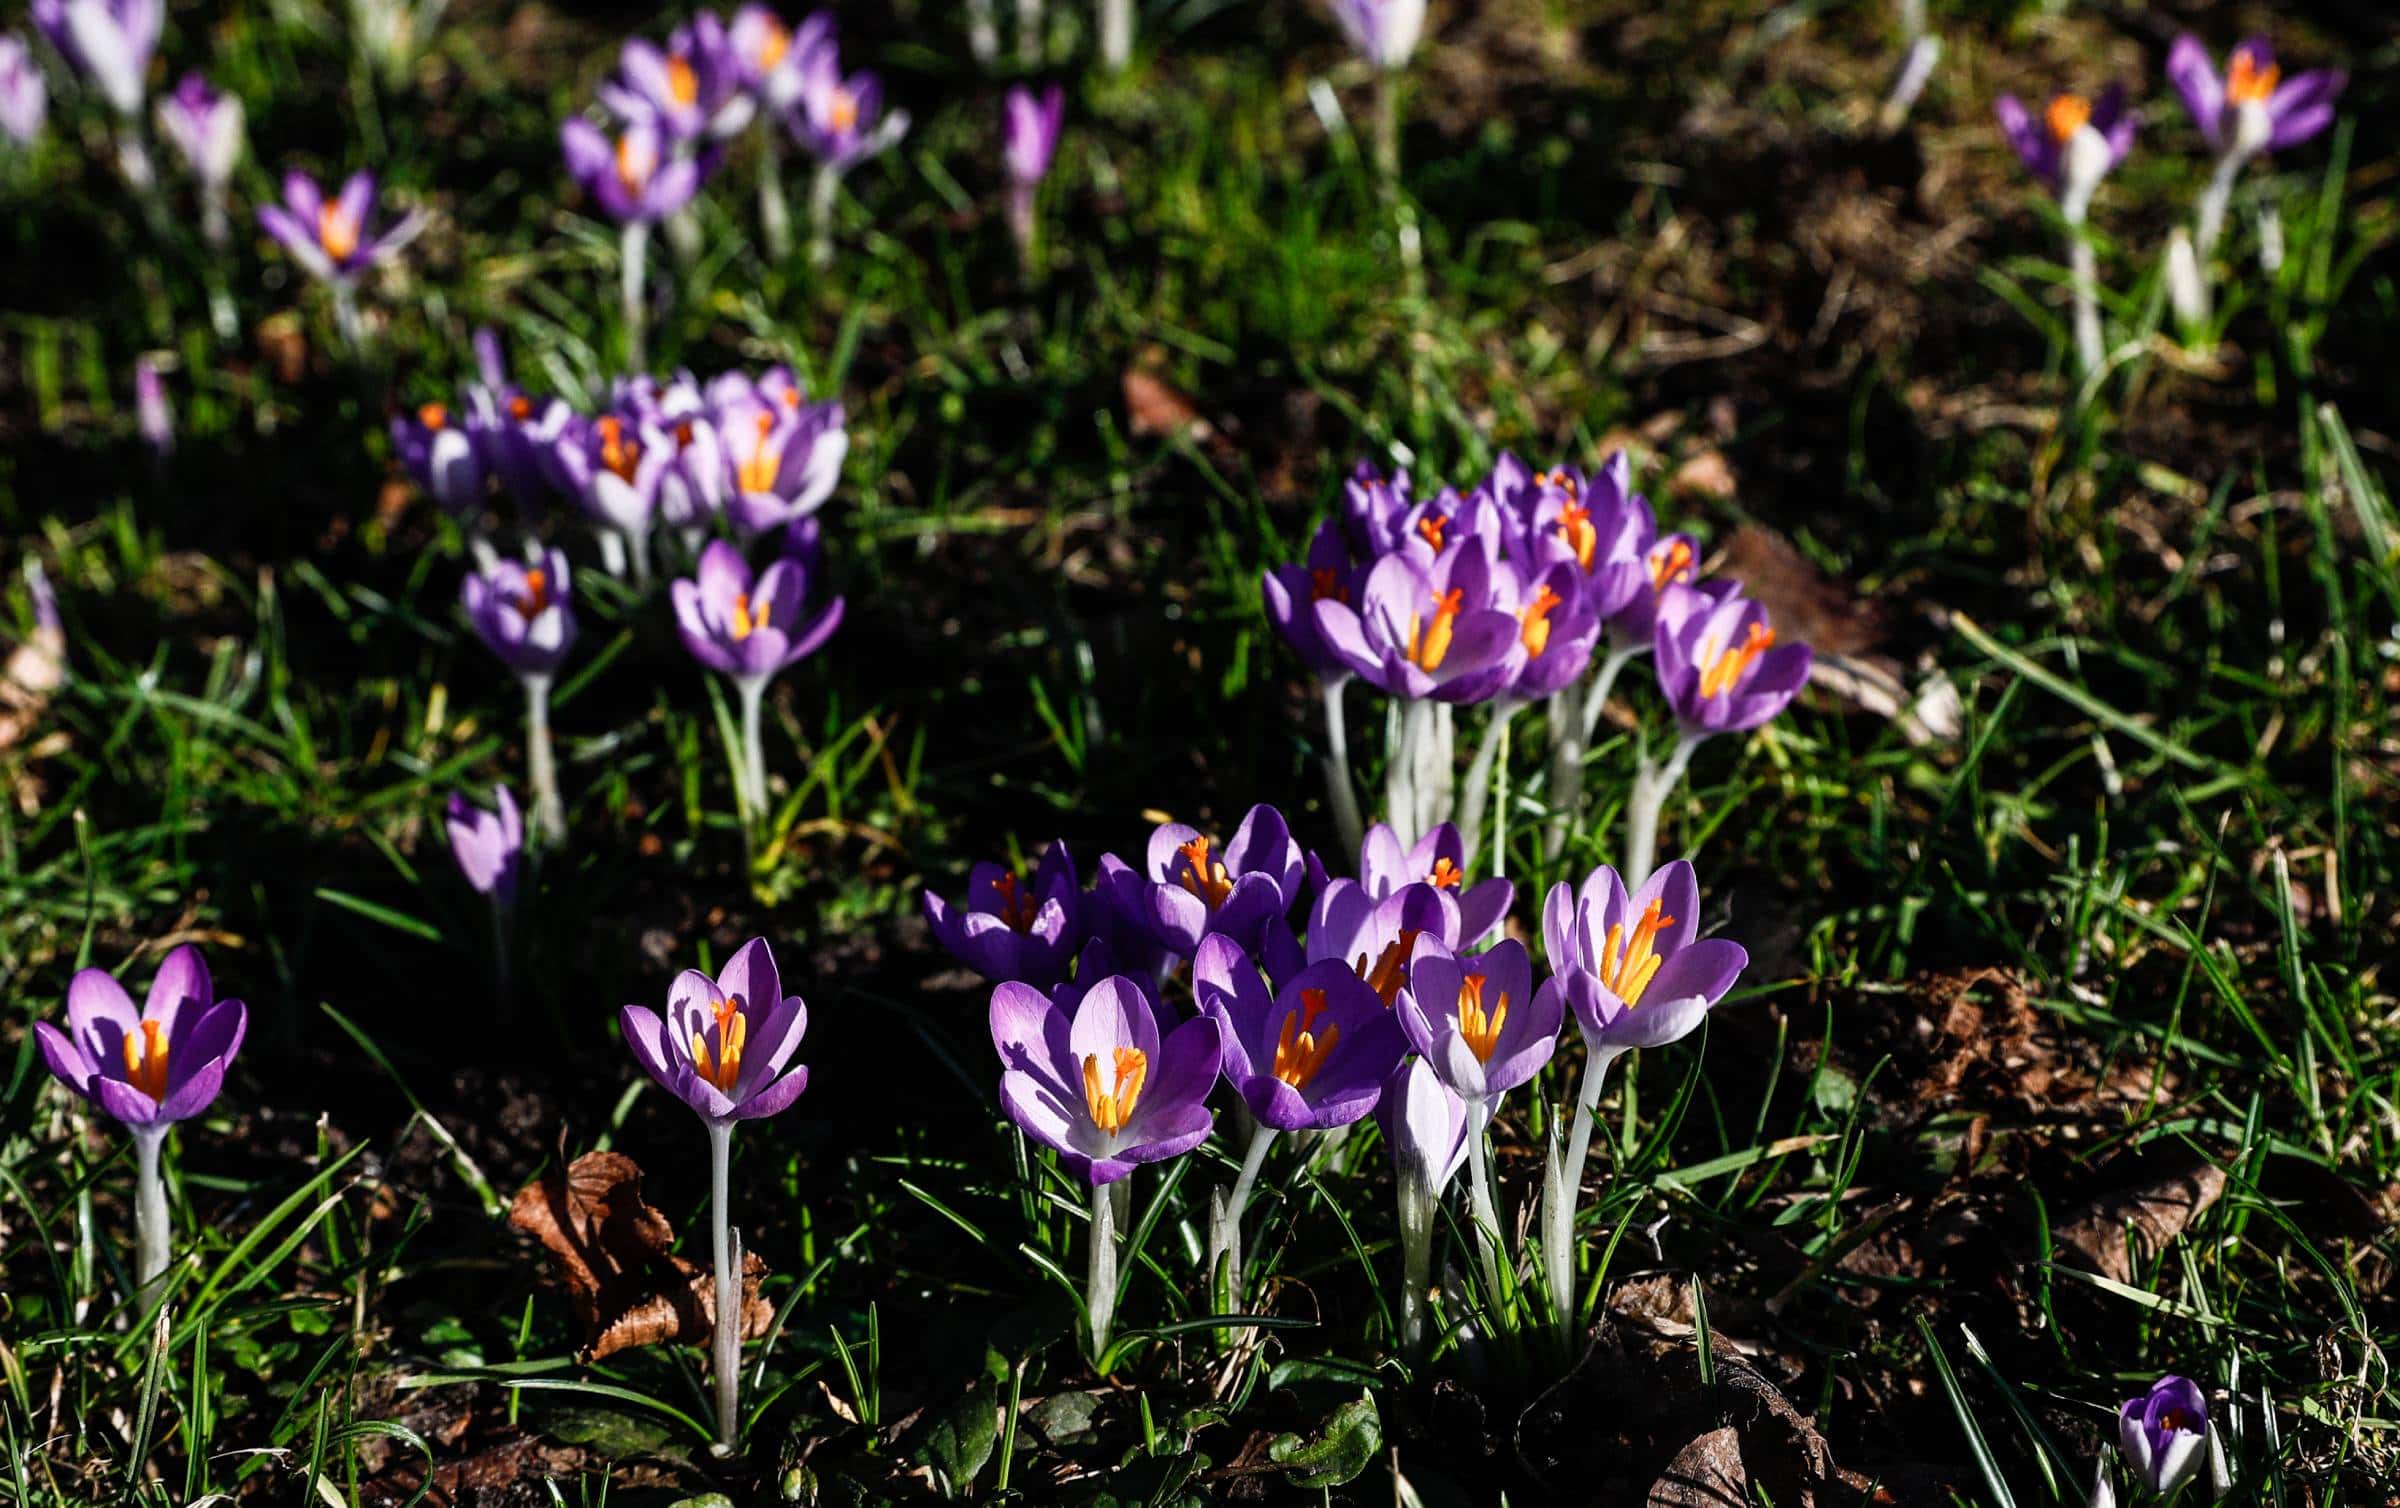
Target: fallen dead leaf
{"type": "Point", "coordinates": [615, 1255]}
{"type": "Point", "coordinates": [1707, 1473]}
{"type": "Point", "coordinates": [2141, 1218]}
{"type": "Point", "coordinates": [1153, 407]}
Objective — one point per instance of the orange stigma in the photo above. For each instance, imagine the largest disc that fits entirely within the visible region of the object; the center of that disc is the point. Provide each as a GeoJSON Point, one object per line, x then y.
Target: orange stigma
{"type": "Point", "coordinates": [683, 82]}
{"type": "Point", "coordinates": [520, 407]}
{"type": "Point", "coordinates": [841, 112]}
{"type": "Point", "coordinates": [1112, 1107]}
{"type": "Point", "coordinates": [633, 169]}
{"type": "Point", "coordinates": [1627, 964]}
{"type": "Point", "coordinates": [146, 1060]}
{"type": "Point", "coordinates": [433, 416]}
{"type": "Point", "coordinates": [1299, 1051]}
{"type": "Point", "coordinates": [1536, 620]}
{"type": "Point", "coordinates": [746, 619]}
{"type": "Point", "coordinates": [1018, 906]}
{"type": "Point", "coordinates": [1324, 582]}
{"type": "Point", "coordinates": [1721, 672]}
{"type": "Point", "coordinates": [1431, 528]}
{"type": "Point", "coordinates": [732, 1029]}
{"type": "Point", "coordinates": [1391, 966]}
{"type": "Point", "coordinates": [1446, 875]}
{"type": "Point", "coordinates": [1575, 526]}
{"type": "Point", "coordinates": [2068, 114]}
{"type": "Point", "coordinates": [1672, 564]}
{"type": "Point", "coordinates": [337, 231]}
{"type": "Point", "coordinates": [758, 473]}
{"type": "Point", "coordinates": [1202, 877]}
{"type": "Point", "coordinates": [536, 600]}
{"type": "Point", "coordinates": [1429, 643]}
{"type": "Point", "coordinates": [1480, 1030]}
{"type": "Point", "coordinates": [774, 44]}
{"type": "Point", "coordinates": [619, 454]}
{"type": "Point", "coordinates": [2246, 82]}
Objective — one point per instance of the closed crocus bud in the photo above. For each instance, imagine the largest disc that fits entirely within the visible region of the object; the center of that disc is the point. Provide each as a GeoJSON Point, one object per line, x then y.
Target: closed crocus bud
{"type": "Point", "coordinates": [2163, 1434]}
{"type": "Point", "coordinates": [523, 611]}
{"type": "Point", "coordinates": [152, 416]}
{"type": "Point", "coordinates": [489, 846]}
{"type": "Point", "coordinates": [24, 95]}
{"type": "Point", "coordinates": [109, 42]}
{"type": "Point", "coordinates": [205, 126]}
{"type": "Point", "coordinates": [1030, 133]}
{"type": "Point", "coordinates": [1385, 32]}
{"type": "Point", "coordinates": [442, 456]}
{"type": "Point", "coordinates": [149, 1067]}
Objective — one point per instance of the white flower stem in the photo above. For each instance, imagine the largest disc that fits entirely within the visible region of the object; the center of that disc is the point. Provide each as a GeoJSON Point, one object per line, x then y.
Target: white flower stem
{"type": "Point", "coordinates": [983, 34]}
{"type": "Point", "coordinates": [549, 813]}
{"type": "Point", "coordinates": [1341, 793]}
{"type": "Point", "coordinates": [1479, 774]}
{"type": "Point", "coordinates": [1029, 32]}
{"type": "Point", "coordinates": [1574, 718]}
{"type": "Point", "coordinates": [1651, 787]}
{"type": "Point", "coordinates": [1229, 1239]}
{"type": "Point", "coordinates": [633, 259]}
{"type": "Point", "coordinates": [750, 782]}
{"type": "Point", "coordinates": [774, 209]}
{"type": "Point", "coordinates": [1416, 1260]}
{"type": "Point", "coordinates": [1100, 1277]}
{"type": "Point", "coordinates": [1437, 791]}
{"type": "Point", "coordinates": [824, 185]}
{"type": "Point", "coordinates": [150, 1221]}
{"type": "Point", "coordinates": [2215, 200]}
{"type": "Point", "coordinates": [726, 1251]}
{"type": "Point", "coordinates": [2083, 277]}
{"type": "Point", "coordinates": [346, 322]}
{"type": "Point", "coordinates": [1485, 1208]}
{"type": "Point", "coordinates": [1562, 1196]}
{"type": "Point", "coordinates": [637, 546]}
{"type": "Point", "coordinates": [1116, 34]}
{"type": "Point", "coordinates": [1596, 695]}
{"type": "Point", "coordinates": [1399, 764]}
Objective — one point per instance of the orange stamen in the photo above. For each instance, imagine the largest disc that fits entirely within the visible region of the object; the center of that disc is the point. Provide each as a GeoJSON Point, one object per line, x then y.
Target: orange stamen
{"type": "Point", "coordinates": [1324, 582]}
{"type": "Point", "coordinates": [1480, 1030]}
{"type": "Point", "coordinates": [1536, 620]}
{"type": "Point", "coordinates": [337, 231]}
{"type": "Point", "coordinates": [748, 620]}
{"type": "Point", "coordinates": [1391, 966]}
{"type": "Point", "coordinates": [1203, 878]}
{"type": "Point", "coordinates": [1575, 526]}
{"type": "Point", "coordinates": [1112, 1107]}
{"type": "Point", "coordinates": [758, 473]}
{"type": "Point", "coordinates": [618, 453]}
{"type": "Point", "coordinates": [1720, 674]}
{"type": "Point", "coordinates": [146, 1060]}
{"type": "Point", "coordinates": [1675, 563]}
{"type": "Point", "coordinates": [683, 82]}
{"type": "Point", "coordinates": [1018, 906]}
{"type": "Point", "coordinates": [433, 416]}
{"type": "Point", "coordinates": [1446, 875]}
{"type": "Point", "coordinates": [2246, 83]}
{"type": "Point", "coordinates": [1431, 528]}
{"type": "Point", "coordinates": [773, 46]}
{"type": "Point", "coordinates": [1627, 964]}
{"type": "Point", "coordinates": [632, 171]}
{"type": "Point", "coordinates": [537, 594]}
{"type": "Point", "coordinates": [520, 407]}
{"type": "Point", "coordinates": [841, 112]}
{"type": "Point", "coordinates": [2068, 114]}
{"type": "Point", "coordinates": [1299, 1052]}
{"type": "Point", "coordinates": [1429, 643]}
{"type": "Point", "coordinates": [733, 1029]}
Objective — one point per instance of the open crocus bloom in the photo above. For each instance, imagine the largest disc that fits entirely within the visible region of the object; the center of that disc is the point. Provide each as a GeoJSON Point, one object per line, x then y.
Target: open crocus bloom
{"type": "Point", "coordinates": [783, 456]}
{"type": "Point", "coordinates": [693, 88]}
{"type": "Point", "coordinates": [1087, 1074]}
{"type": "Point", "coordinates": [1007, 928]}
{"type": "Point", "coordinates": [1669, 560]}
{"type": "Point", "coordinates": [522, 611]}
{"type": "Point", "coordinates": [2163, 1434]}
{"type": "Point", "coordinates": [724, 1041]}
{"type": "Point", "coordinates": [1439, 861]}
{"type": "Point", "coordinates": [1600, 525]}
{"type": "Point", "coordinates": [1719, 664]}
{"type": "Point", "coordinates": [1556, 628]}
{"type": "Point", "coordinates": [1195, 889]}
{"type": "Point", "coordinates": [2269, 112]}
{"type": "Point", "coordinates": [746, 628]}
{"type": "Point", "coordinates": [336, 239]}
{"type": "Point", "coordinates": [1425, 631]}
{"type": "Point", "coordinates": [769, 54]}
{"type": "Point", "coordinates": [108, 41]}
{"type": "Point", "coordinates": [1476, 1019]}
{"type": "Point", "coordinates": [1633, 968]}
{"type": "Point", "coordinates": [151, 1067]}
{"type": "Point", "coordinates": [489, 846]}
{"type": "Point", "coordinates": [841, 121]}
{"type": "Point", "coordinates": [1377, 939]}
{"type": "Point", "coordinates": [2076, 141]}
{"type": "Point", "coordinates": [1292, 591]}
{"type": "Point", "coordinates": [1374, 508]}
{"type": "Point", "coordinates": [442, 456]}
{"type": "Point", "coordinates": [634, 178]}
{"type": "Point", "coordinates": [1307, 1057]}
{"type": "Point", "coordinates": [615, 466]}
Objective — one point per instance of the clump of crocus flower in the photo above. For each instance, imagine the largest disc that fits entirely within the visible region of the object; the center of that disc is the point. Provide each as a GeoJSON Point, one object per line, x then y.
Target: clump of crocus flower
{"type": "Point", "coordinates": [337, 240]}
{"type": "Point", "coordinates": [524, 613]}
{"type": "Point", "coordinates": [749, 629]}
{"type": "Point", "coordinates": [204, 125]}
{"type": "Point", "coordinates": [24, 94]}
{"type": "Point", "coordinates": [147, 1069]}
{"type": "Point", "coordinates": [2070, 149]}
{"type": "Point", "coordinates": [2246, 112]}
{"type": "Point", "coordinates": [721, 1048]}
{"type": "Point", "coordinates": [1029, 140]}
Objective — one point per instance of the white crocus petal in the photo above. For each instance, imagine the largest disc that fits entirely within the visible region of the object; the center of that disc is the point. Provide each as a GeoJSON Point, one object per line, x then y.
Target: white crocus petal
{"type": "Point", "coordinates": [107, 53]}
{"type": "Point", "coordinates": [2085, 162]}
{"type": "Point", "coordinates": [2252, 127]}
{"type": "Point", "coordinates": [2185, 290]}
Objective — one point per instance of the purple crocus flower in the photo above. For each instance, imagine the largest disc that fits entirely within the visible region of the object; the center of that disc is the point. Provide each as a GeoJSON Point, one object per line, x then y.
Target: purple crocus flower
{"type": "Point", "coordinates": [155, 1066]}
{"type": "Point", "coordinates": [2163, 1434]}
{"type": "Point", "coordinates": [205, 125]}
{"type": "Point", "coordinates": [24, 94]}
{"type": "Point", "coordinates": [1426, 1125]}
{"type": "Point", "coordinates": [840, 121]}
{"type": "Point", "coordinates": [441, 456]}
{"type": "Point", "coordinates": [1437, 860]}
{"type": "Point", "coordinates": [523, 611]}
{"type": "Point", "coordinates": [336, 239]}
{"type": "Point", "coordinates": [1668, 560]}
{"type": "Point", "coordinates": [109, 42]}
{"type": "Point", "coordinates": [2269, 111]}
{"type": "Point", "coordinates": [1385, 32]}
{"type": "Point", "coordinates": [1008, 929]}
{"type": "Point", "coordinates": [1116, 912]}
{"type": "Point", "coordinates": [1477, 1019]}
{"type": "Point", "coordinates": [723, 1043]}
{"type": "Point", "coordinates": [634, 179]}
{"type": "Point", "coordinates": [785, 457]}
{"type": "Point", "coordinates": [152, 415]}
{"type": "Point", "coordinates": [691, 90]}
{"type": "Point", "coordinates": [1719, 665]}
{"type": "Point", "coordinates": [1633, 968]}
{"type": "Point", "coordinates": [1087, 1074]}
{"type": "Point", "coordinates": [748, 628]}
{"type": "Point", "coordinates": [1556, 630]}
{"type": "Point", "coordinates": [1292, 591]}
{"type": "Point", "coordinates": [1029, 133]}
{"type": "Point", "coordinates": [769, 54]}
{"type": "Point", "coordinates": [489, 846]}
{"type": "Point", "coordinates": [1309, 1056]}
{"type": "Point", "coordinates": [1601, 526]}
{"type": "Point", "coordinates": [1193, 892]}
{"type": "Point", "coordinates": [2076, 141]}
{"type": "Point", "coordinates": [614, 465]}
{"type": "Point", "coordinates": [1421, 631]}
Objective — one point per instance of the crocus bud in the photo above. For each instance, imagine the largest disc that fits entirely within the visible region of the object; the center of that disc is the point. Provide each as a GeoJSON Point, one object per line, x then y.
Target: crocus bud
{"type": "Point", "coordinates": [151, 413]}
{"type": "Point", "coordinates": [2186, 290]}
{"type": "Point", "coordinates": [2163, 1434]}
{"type": "Point", "coordinates": [489, 846]}
{"type": "Point", "coordinates": [24, 97]}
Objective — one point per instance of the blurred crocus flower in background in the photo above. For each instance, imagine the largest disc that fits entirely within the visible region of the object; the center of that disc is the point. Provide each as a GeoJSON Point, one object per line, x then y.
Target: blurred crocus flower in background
{"type": "Point", "coordinates": [2248, 110]}
{"type": "Point", "coordinates": [24, 94]}
{"type": "Point", "coordinates": [840, 121]}
{"type": "Point", "coordinates": [1428, 1128]}
{"type": "Point", "coordinates": [721, 1049]}
{"type": "Point", "coordinates": [336, 240]}
{"type": "Point", "coordinates": [1029, 136]}
{"type": "Point", "coordinates": [2163, 1435]}
{"type": "Point", "coordinates": [769, 54]}
{"type": "Point", "coordinates": [524, 614]}
{"type": "Point", "coordinates": [637, 180]}
{"type": "Point", "coordinates": [2070, 149]}
{"type": "Point", "coordinates": [614, 465]}
{"type": "Point", "coordinates": [109, 42]}
{"type": "Point", "coordinates": [1384, 32]}
{"type": "Point", "coordinates": [785, 454]}
{"type": "Point", "coordinates": [204, 125]}
{"type": "Point", "coordinates": [153, 417]}
{"type": "Point", "coordinates": [147, 1068]}
{"type": "Point", "coordinates": [489, 845]}
{"type": "Point", "coordinates": [443, 458]}
{"type": "Point", "coordinates": [1008, 927]}
{"type": "Point", "coordinates": [692, 89]}
{"type": "Point", "coordinates": [749, 630]}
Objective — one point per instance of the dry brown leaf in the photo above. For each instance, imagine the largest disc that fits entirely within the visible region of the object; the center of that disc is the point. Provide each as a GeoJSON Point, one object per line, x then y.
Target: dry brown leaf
{"type": "Point", "coordinates": [1153, 407]}
{"type": "Point", "coordinates": [614, 1253]}
{"type": "Point", "coordinates": [1801, 601]}
{"type": "Point", "coordinates": [1706, 1473]}
{"type": "Point", "coordinates": [2157, 1209]}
